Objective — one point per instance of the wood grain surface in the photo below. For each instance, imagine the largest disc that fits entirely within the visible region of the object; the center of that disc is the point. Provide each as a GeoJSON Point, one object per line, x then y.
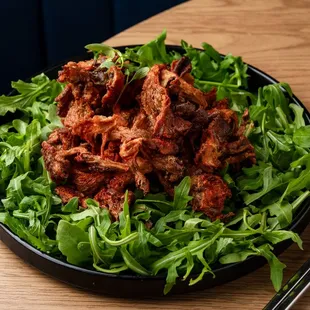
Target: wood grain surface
{"type": "Point", "coordinates": [273, 35]}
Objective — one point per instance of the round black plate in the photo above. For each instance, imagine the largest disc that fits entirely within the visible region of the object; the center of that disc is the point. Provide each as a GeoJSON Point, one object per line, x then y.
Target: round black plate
{"type": "Point", "coordinates": [138, 286]}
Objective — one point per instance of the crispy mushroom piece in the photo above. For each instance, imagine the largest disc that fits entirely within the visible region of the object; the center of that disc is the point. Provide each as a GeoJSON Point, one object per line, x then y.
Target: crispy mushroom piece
{"type": "Point", "coordinates": [119, 138]}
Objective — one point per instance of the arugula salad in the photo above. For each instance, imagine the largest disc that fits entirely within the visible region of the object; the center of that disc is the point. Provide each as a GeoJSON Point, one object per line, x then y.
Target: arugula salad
{"type": "Point", "coordinates": [180, 242]}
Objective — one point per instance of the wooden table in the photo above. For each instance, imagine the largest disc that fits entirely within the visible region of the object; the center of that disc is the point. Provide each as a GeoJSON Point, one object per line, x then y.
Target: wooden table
{"type": "Point", "coordinates": [273, 35]}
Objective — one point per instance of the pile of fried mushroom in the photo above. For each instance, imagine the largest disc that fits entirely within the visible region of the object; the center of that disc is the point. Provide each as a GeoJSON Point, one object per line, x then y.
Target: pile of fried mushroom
{"type": "Point", "coordinates": [150, 133]}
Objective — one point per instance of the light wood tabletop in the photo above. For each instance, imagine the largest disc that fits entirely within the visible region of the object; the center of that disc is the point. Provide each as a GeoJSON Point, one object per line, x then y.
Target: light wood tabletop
{"type": "Point", "coordinates": [273, 35]}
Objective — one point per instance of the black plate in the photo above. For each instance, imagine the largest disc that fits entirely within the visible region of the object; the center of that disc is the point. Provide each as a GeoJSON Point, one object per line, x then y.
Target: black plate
{"type": "Point", "coordinates": [139, 286]}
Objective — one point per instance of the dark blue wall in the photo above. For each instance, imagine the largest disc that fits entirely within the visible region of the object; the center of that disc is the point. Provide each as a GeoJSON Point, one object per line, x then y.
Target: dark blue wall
{"type": "Point", "coordinates": [69, 29]}
{"type": "Point", "coordinates": [35, 34]}
{"type": "Point", "coordinates": [20, 39]}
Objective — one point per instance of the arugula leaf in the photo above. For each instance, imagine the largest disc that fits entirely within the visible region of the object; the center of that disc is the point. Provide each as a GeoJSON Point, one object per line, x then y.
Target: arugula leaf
{"type": "Point", "coordinates": [172, 275]}
{"type": "Point", "coordinates": [15, 188]}
{"type": "Point", "coordinates": [276, 267]}
{"type": "Point", "coordinates": [299, 200]}
{"type": "Point", "coordinates": [54, 122]}
{"type": "Point", "coordinates": [303, 180]}
{"type": "Point", "coordinates": [71, 206]}
{"type": "Point", "coordinates": [181, 192]}
{"type": "Point", "coordinates": [98, 254]}
{"type": "Point", "coordinates": [301, 136]}
{"type": "Point", "coordinates": [123, 241]}
{"type": "Point", "coordinates": [141, 247]}
{"type": "Point", "coordinates": [105, 223]}
{"type": "Point", "coordinates": [172, 216]}
{"type": "Point", "coordinates": [132, 263]}
{"type": "Point", "coordinates": [281, 142]}
{"type": "Point", "coordinates": [125, 223]}
{"type": "Point", "coordinates": [277, 236]}
{"type": "Point", "coordinates": [69, 236]}
{"type": "Point", "coordinates": [298, 112]}
{"type": "Point", "coordinates": [20, 126]}
{"type": "Point", "coordinates": [18, 228]}
{"type": "Point", "coordinates": [29, 92]}
{"type": "Point", "coordinates": [158, 200]}
{"type": "Point", "coordinates": [210, 69]}
{"type": "Point", "coordinates": [236, 257]}
{"type": "Point", "coordinates": [101, 48]}
{"type": "Point", "coordinates": [213, 54]}
{"type": "Point", "coordinates": [275, 97]}
{"type": "Point", "coordinates": [270, 182]}
{"type": "Point", "coordinates": [206, 268]}
{"type": "Point", "coordinates": [82, 215]}
{"type": "Point", "coordinates": [107, 64]}
{"type": "Point", "coordinates": [283, 211]}
{"type": "Point", "coordinates": [193, 247]}
{"type": "Point", "coordinates": [140, 74]}
{"type": "Point", "coordinates": [113, 270]}
{"type": "Point", "coordinates": [151, 53]}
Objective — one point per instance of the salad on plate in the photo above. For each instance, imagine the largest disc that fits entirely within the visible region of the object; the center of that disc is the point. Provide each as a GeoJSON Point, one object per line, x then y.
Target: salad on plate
{"type": "Point", "coordinates": [151, 162]}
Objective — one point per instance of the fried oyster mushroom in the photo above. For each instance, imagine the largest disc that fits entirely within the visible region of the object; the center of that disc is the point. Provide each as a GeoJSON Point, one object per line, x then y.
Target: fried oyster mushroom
{"type": "Point", "coordinates": [160, 129]}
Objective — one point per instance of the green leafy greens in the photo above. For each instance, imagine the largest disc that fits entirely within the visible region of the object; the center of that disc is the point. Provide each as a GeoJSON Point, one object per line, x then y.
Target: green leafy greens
{"type": "Point", "coordinates": [181, 243]}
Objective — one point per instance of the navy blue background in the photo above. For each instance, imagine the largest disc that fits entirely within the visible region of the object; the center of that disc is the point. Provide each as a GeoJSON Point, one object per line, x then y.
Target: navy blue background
{"type": "Point", "coordinates": [39, 33]}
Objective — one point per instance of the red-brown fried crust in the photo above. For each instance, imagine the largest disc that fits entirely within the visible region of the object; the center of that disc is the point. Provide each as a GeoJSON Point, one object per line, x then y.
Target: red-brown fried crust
{"type": "Point", "coordinates": [209, 194]}
{"type": "Point", "coordinates": [157, 129]}
{"type": "Point", "coordinates": [114, 87]}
